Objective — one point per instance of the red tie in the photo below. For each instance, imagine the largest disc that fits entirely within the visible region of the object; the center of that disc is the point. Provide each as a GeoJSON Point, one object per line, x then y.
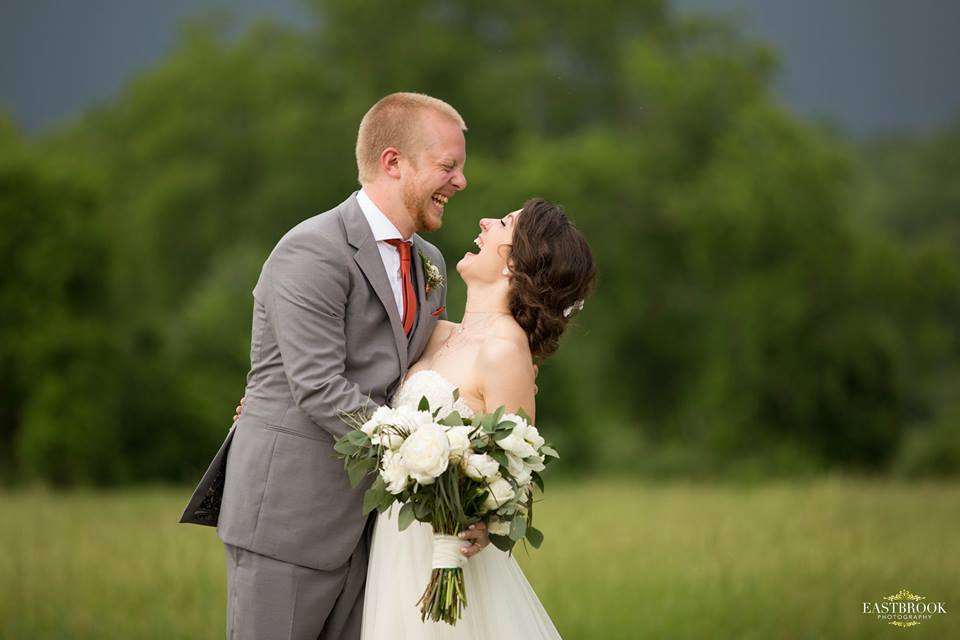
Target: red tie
{"type": "Point", "coordinates": [406, 277]}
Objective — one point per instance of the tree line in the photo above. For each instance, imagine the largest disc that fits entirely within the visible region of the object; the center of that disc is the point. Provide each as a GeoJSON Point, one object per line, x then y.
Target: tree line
{"type": "Point", "coordinates": [773, 296]}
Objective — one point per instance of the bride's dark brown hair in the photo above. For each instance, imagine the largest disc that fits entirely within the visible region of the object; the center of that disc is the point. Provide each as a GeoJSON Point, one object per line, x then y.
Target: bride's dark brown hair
{"type": "Point", "coordinates": [551, 272]}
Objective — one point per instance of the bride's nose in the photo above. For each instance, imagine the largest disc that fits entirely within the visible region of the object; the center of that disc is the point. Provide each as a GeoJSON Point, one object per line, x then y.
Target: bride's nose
{"type": "Point", "coordinates": [484, 223]}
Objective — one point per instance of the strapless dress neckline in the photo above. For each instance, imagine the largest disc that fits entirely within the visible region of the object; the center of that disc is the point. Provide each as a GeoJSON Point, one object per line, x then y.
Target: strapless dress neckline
{"type": "Point", "coordinates": [438, 391]}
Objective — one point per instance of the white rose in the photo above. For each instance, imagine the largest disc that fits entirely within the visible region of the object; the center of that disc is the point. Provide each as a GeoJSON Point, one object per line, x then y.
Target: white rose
{"type": "Point", "coordinates": [459, 440]}
{"type": "Point", "coordinates": [394, 472]}
{"type": "Point", "coordinates": [500, 492]}
{"type": "Point", "coordinates": [480, 466]}
{"type": "Point", "coordinates": [426, 453]}
{"type": "Point", "coordinates": [498, 527]}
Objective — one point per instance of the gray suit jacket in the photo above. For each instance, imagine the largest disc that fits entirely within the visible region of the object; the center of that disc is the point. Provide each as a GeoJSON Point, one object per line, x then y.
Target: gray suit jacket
{"type": "Point", "coordinates": [326, 337]}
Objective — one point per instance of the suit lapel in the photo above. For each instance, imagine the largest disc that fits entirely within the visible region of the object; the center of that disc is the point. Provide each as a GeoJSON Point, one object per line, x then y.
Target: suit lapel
{"type": "Point", "coordinates": [371, 264]}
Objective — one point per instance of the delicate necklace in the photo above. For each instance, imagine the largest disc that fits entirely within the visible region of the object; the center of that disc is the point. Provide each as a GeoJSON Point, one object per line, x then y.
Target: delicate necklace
{"type": "Point", "coordinates": [456, 336]}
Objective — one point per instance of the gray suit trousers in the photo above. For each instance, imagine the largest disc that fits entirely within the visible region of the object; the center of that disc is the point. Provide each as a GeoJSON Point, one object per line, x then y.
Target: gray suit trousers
{"type": "Point", "coordinates": [269, 599]}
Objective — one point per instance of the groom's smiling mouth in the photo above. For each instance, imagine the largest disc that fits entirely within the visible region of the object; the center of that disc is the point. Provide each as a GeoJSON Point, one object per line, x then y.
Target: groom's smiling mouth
{"type": "Point", "coordinates": [440, 200]}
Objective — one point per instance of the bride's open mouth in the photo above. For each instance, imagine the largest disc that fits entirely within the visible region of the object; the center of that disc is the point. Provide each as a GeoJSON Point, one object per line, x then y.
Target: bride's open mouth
{"type": "Point", "coordinates": [477, 241]}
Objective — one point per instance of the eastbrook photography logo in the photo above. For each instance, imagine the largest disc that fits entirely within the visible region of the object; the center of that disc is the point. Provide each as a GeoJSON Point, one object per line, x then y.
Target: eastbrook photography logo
{"type": "Point", "coordinates": [904, 609]}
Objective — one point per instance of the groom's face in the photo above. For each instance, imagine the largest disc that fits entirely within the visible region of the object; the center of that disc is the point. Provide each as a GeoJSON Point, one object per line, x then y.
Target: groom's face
{"type": "Point", "coordinates": [435, 173]}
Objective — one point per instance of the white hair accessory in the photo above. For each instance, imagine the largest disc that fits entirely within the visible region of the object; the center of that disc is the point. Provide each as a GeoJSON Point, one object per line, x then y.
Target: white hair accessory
{"type": "Point", "coordinates": [576, 306]}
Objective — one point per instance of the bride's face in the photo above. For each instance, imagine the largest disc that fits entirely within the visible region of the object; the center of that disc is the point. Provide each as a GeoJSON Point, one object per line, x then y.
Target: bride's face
{"type": "Point", "coordinates": [493, 243]}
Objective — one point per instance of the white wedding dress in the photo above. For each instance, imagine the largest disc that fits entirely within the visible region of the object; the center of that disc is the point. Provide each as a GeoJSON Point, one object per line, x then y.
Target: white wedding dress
{"type": "Point", "coordinates": [501, 604]}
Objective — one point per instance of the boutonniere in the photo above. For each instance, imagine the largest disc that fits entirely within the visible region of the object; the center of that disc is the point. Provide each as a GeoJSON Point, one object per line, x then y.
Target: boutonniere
{"type": "Point", "coordinates": [431, 274]}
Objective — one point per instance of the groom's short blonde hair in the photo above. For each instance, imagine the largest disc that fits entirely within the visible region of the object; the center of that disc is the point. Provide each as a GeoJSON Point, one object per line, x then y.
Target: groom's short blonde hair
{"type": "Point", "coordinates": [394, 121]}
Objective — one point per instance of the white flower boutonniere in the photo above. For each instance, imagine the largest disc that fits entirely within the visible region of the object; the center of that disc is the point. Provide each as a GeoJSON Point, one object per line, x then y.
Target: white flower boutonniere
{"type": "Point", "coordinates": [431, 274]}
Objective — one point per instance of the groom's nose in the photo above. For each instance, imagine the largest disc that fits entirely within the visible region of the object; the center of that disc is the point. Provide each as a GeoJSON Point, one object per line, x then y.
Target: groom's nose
{"type": "Point", "coordinates": [459, 181]}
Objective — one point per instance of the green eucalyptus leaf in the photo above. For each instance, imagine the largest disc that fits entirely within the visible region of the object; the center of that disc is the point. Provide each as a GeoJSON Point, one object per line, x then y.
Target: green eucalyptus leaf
{"type": "Point", "coordinates": [345, 447]}
{"type": "Point", "coordinates": [537, 479]}
{"type": "Point", "coordinates": [375, 495]}
{"type": "Point", "coordinates": [406, 517]}
{"type": "Point", "coordinates": [518, 527]}
{"type": "Point", "coordinates": [534, 537]}
{"type": "Point", "coordinates": [504, 543]}
{"type": "Point", "coordinates": [453, 419]}
{"type": "Point", "coordinates": [358, 438]}
{"type": "Point", "coordinates": [357, 469]}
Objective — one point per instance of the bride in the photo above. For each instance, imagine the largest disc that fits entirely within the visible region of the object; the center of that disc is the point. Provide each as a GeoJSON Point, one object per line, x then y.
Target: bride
{"type": "Point", "coordinates": [532, 271]}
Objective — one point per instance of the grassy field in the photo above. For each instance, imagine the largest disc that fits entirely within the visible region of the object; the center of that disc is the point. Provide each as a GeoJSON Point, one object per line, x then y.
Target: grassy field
{"type": "Point", "coordinates": [622, 559]}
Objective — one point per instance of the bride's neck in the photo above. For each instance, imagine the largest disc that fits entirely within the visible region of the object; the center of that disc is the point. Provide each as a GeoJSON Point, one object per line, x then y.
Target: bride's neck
{"type": "Point", "coordinates": [484, 299]}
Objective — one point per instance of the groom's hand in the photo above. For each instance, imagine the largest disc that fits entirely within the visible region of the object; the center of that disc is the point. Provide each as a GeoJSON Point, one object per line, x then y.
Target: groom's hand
{"type": "Point", "coordinates": [477, 533]}
{"type": "Point", "coordinates": [238, 410]}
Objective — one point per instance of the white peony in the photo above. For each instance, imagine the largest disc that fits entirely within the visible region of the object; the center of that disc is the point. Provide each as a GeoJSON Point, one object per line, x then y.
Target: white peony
{"type": "Point", "coordinates": [480, 466]}
{"type": "Point", "coordinates": [426, 453]}
{"type": "Point", "coordinates": [500, 492]}
{"type": "Point", "coordinates": [516, 442]}
{"type": "Point", "coordinates": [533, 437]}
{"type": "Point", "coordinates": [518, 469]}
{"type": "Point", "coordinates": [535, 463]}
{"type": "Point", "coordinates": [381, 426]}
{"type": "Point", "coordinates": [394, 472]}
{"type": "Point", "coordinates": [498, 527]}
{"type": "Point", "coordinates": [459, 440]}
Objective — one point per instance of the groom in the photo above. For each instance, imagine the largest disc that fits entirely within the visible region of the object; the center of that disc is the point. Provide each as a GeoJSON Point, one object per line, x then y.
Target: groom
{"type": "Point", "coordinates": [344, 304]}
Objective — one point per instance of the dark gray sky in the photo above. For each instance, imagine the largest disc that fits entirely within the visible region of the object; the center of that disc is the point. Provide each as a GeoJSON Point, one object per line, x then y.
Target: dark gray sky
{"type": "Point", "coordinates": [871, 65]}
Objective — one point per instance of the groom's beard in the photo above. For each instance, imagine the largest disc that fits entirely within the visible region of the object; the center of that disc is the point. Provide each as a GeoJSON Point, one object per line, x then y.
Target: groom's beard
{"type": "Point", "coordinates": [421, 208]}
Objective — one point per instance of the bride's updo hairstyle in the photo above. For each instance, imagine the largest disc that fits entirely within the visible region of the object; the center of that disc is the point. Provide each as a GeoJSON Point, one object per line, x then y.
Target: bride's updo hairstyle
{"type": "Point", "coordinates": [551, 272]}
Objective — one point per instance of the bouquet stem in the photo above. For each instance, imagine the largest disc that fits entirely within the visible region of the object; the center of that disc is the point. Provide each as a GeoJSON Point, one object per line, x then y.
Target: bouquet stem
{"type": "Point", "coordinates": [446, 593]}
{"type": "Point", "coordinates": [445, 596]}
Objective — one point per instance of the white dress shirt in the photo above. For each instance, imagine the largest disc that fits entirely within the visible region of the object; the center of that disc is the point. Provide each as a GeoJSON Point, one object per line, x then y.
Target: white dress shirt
{"type": "Point", "coordinates": [384, 230]}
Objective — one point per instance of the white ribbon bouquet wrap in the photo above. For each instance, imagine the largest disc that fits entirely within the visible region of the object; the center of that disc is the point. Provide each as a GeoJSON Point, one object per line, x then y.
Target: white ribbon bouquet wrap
{"type": "Point", "coordinates": [449, 471]}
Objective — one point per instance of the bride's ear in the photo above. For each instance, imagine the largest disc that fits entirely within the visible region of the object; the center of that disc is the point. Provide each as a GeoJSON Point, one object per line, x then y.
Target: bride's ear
{"type": "Point", "coordinates": [508, 259]}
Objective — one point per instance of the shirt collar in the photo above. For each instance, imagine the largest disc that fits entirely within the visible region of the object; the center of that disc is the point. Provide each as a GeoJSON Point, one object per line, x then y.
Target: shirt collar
{"type": "Point", "coordinates": [380, 225]}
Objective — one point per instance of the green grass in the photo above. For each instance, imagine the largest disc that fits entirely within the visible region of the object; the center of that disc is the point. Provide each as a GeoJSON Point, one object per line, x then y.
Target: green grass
{"type": "Point", "coordinates": [622, 559]}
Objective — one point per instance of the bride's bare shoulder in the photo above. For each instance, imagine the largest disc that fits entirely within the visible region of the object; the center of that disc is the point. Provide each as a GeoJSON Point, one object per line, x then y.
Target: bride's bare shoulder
{"type": "Point", "coordinates": [507, 348]}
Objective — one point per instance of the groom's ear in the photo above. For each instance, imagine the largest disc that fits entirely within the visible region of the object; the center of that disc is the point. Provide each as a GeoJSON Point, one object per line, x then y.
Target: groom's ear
{"type": "Point", "coordinates": [390, 162]}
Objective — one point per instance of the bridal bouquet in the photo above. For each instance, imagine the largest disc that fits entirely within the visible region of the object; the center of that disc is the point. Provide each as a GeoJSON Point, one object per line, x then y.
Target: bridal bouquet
{"type": "Point", "coordinates": [450, 472]}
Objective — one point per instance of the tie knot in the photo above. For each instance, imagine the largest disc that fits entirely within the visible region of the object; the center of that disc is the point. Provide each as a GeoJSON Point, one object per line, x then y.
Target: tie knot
{"type": "Point", "coordinates": [402, 246]}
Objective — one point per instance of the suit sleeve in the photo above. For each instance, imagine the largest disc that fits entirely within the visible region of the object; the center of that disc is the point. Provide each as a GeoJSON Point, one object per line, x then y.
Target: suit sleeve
{"type": "Point", "coordinates": [306, 306]}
